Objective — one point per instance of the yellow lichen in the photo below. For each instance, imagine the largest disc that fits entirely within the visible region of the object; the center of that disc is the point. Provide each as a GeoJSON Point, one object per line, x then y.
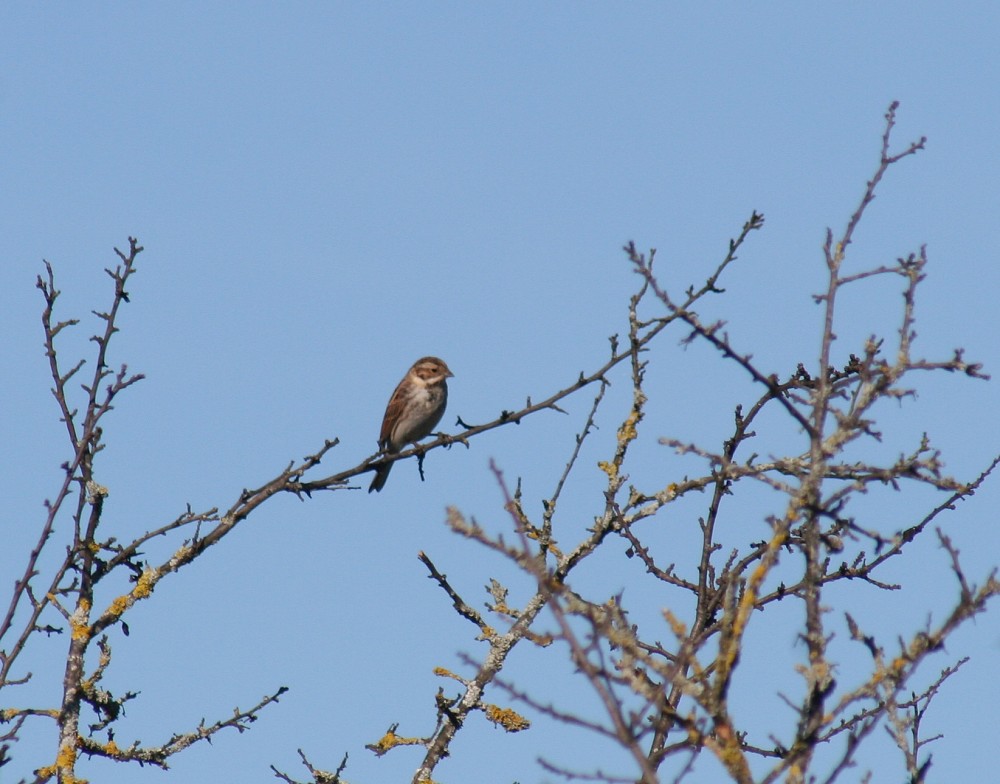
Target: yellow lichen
{"type": "Point", "coordinates": [510, 720]}
{"type": "Point", "coordinates": [79, 621]}
{"type": "Point", "coordinates": [441, 672]}
{"type": "Point", "coordinates": [120, 604]}
{"type": "Point", "coordinates": [609, 468]}
{"type": "Point", "coordinates": [541, 640]}
{"type": "Point", "coordinates": [144, 587]}
{"type": "Point", "coordinates": [627, 431]}
{"type": "Point", "coordinates": [67, 756]}
{"type": "Point", "coordinates": [391, 740]}
{"type": "Point", "coordinates": [387, 741]}
{"type": "Point", "coordinates": [65, 763]}
{"type": "Point", "coordinates": [183, 555]}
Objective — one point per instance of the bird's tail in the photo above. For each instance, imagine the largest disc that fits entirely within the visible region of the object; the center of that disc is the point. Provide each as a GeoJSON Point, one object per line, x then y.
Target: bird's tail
{"type": "Point", "coordinates": [381, 474]}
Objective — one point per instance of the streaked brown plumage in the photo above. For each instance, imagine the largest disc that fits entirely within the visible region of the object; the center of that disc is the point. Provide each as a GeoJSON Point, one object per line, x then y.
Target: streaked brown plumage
{"type": "Point", "coordinates": [415, 408]}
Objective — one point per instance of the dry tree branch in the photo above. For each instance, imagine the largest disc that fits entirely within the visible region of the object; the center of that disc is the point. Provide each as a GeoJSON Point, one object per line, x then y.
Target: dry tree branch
{"type": "Point", "coordinates": [659, 700]}
{"type": "Point", "coordinates": [640, 336]}
{"type": "Point", "coordinates": [683, 689]}
{"type": "Point", "coordinates": [318, 776]}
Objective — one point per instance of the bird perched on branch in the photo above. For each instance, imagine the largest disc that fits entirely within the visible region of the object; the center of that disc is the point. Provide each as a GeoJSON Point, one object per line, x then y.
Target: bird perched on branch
{"type": "Point", "coordinates": [414, 410]}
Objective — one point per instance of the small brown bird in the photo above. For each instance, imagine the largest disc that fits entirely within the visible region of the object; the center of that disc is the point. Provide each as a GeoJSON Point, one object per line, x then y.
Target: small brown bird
{"type": "Point", "coordinates": [414, 410]}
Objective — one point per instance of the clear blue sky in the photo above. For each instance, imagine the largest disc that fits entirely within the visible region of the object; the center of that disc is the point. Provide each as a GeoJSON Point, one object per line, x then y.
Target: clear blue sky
{"type": "Point", "coordinates": [327, 191]}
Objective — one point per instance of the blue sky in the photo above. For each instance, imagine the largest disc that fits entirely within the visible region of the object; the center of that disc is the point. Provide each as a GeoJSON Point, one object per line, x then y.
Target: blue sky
{"type": "Point", "coordinates": [327, 191]}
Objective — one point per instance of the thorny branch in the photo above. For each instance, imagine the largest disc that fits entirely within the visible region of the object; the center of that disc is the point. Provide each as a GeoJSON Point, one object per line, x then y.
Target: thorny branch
{"type": "Point", "coordinates": [535, 558]}
{"type": "Point", "coordinates": [318, 776]}
{"type": "Point", "coordinates": [663, 702]}
{"type": "Point", "coordinates": [70, 589]}
{"type": "Point", "coordinates": [91, 558]}
{"type": "Point", "coordinates": [670, 700]}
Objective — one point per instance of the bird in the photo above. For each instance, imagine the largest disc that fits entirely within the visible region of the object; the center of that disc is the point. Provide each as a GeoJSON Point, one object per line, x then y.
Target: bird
{"type": "Point", "coordinates": [415, 408]}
